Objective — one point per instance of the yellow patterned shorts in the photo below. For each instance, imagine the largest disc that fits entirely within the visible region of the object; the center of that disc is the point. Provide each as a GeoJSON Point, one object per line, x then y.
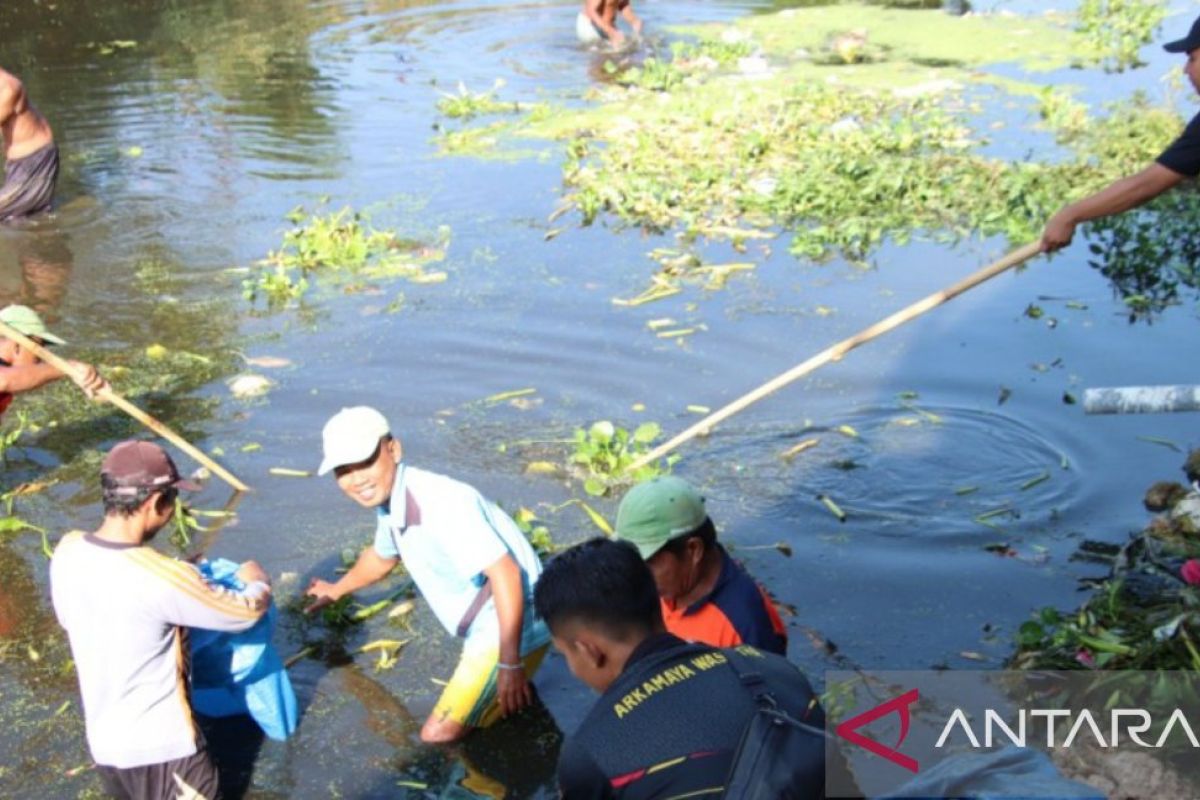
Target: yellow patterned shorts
{"type": "Point", "coordinates": [470, 698]}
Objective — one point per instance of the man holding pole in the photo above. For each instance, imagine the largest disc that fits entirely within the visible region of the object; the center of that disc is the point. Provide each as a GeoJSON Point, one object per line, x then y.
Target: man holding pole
{"type": "Point", "coordinates": [20, 368]}
{"type": "Point", "coordinates": [1180, 160]}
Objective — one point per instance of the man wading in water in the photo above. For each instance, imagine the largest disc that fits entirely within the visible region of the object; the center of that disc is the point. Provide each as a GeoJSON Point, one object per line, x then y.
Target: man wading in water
{"type": "Point", "coordinates": [1180, 160]}
{"type": "Point", "coordinates": [598, 21]}
{"type": "Point", "coordinates": [30, 155]}
{"type": "Point", "coordinates": [469, 559]}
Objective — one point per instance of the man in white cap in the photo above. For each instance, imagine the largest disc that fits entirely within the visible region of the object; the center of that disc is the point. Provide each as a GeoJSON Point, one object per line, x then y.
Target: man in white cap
{"type": "Point", "coordinates": [1180, 160]}
{"type": "Point", "coordinates": [21, 370]}
{"type": "Point", "coordinates": [469, 559]}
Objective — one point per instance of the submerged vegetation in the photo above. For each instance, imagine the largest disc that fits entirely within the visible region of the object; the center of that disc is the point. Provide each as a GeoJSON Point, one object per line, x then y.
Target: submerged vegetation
{"type": "Point", "coordinates": [341, 243]}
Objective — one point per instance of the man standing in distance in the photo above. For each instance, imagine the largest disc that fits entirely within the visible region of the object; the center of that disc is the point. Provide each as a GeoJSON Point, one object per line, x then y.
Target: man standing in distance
{"type": "Point", "coordinates": [1180, 160]}
{"type": "Point", "coordinates": [126, 609]}
{"type": "Point", "coordinates": [30, 155]}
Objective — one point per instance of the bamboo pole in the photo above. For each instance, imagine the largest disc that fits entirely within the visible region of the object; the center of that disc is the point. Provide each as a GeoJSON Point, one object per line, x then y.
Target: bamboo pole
{"type": "Point", "coordinates": [837, 351]}
{"type": "Point", "coordinates": [120, 402]}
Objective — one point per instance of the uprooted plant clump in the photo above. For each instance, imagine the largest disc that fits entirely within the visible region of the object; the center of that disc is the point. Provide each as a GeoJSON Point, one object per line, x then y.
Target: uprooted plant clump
{"type": "Point", "coordinates": [1143, 615]}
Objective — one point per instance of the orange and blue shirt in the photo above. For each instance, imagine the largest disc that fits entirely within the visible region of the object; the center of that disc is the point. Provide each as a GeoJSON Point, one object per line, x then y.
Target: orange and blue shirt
{"type": "Point", "coordinates": [737, 611]}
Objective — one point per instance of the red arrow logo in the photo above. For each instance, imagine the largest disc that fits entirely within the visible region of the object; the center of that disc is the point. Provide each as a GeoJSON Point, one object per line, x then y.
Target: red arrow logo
{"type": "Point", "coordinates": [848, 730]}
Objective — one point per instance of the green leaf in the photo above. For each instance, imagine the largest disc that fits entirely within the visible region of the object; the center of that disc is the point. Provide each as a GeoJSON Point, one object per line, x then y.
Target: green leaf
{"type": "Point", "coordinates": [15, 525]}
{"type": "Point", "coordinates": [595, 487]}
{"type": "Point", "coordinates": [647, 432]}
{"type": "Point", "coordinates": [1030, 634]}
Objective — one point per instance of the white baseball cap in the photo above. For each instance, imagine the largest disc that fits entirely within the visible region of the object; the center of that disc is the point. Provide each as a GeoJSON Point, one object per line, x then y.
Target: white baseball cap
{"type": "Point", "coordinates": [351, 436]}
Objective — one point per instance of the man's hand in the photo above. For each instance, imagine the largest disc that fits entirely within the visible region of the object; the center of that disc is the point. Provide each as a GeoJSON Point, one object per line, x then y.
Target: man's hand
{"type": "Point", "coordinates": [1060, 230]}
{"type": "Point", "coordinates": [323, 593]}
{"type": "Point", "coordinates": [88, 379]}
{"type": "Point", "coordinates": [512, 690]}
{"type": "Point", "coordinates": [250, 571]}
{"type": "Point", "coordinates": [616, 39]}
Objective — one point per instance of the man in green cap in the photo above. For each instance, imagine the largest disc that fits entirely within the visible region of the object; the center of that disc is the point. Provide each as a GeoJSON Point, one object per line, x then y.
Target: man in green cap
{"type": "Point", "coordinates": [21, 370]}
{"type": "Point", "coordinates": [706, 596]}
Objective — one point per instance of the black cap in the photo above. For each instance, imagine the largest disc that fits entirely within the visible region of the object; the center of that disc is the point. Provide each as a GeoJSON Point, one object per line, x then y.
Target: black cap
{"type": "Point", "coordinates": [1188, 43]}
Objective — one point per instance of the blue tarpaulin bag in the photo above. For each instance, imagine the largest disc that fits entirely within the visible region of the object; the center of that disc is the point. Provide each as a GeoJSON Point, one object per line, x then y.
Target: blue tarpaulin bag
{"type": "Point", "coordinates": [241, 673]}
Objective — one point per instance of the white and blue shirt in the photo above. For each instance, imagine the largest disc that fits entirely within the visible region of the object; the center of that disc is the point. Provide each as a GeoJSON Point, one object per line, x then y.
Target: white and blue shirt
{"type": "Point", "coordinates": [447, 534]}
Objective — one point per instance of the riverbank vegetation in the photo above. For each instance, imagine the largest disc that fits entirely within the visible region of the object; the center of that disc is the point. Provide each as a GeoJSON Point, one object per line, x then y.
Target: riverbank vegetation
{"type": "Point", "coordinates": [1144, 613]}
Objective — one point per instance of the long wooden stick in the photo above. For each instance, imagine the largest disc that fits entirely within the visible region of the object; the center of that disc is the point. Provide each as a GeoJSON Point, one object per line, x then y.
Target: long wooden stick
{"type": "Point", "coordinates": [120, 402]}
{"type": "Point", "coordinates": [840, 349]}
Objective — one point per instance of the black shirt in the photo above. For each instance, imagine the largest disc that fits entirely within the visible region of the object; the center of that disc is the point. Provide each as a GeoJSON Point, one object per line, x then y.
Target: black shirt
{"type": "Point", "coordinates": [1183, 156]}
{"type": "Point", "coordinates": [669, 725]}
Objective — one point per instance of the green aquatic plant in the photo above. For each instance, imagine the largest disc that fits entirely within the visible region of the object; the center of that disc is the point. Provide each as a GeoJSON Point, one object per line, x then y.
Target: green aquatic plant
{"type": "Point", "coordinates": [466, 104]}
{"type": "Point", "coordinates": [535, 531]}
{"type": "Point", "coordinates": [603, 452]}
{"type": "Point", "coordinates": [276, 284]}
{"type": "Point", "coordinates": [9, 438]}
{"type": "Point", "coordinates": [652, 74]}
{"type": "Point", "coordinates": [1116, 30]}
{"type": "Point", "coordinates": [339, 243]}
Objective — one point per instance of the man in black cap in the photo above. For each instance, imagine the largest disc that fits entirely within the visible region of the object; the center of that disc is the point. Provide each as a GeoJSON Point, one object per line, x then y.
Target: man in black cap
{"type": "Point", "coordinates": [1180, 160]}
{"type": "Point", "coordinates": [126, 609]}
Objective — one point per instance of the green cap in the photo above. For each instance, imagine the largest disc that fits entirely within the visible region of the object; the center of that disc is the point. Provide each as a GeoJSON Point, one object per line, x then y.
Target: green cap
{"type": "Point", "coordinates": [657, 511]}
{"type": "Point", "coordinates": [24, 319]}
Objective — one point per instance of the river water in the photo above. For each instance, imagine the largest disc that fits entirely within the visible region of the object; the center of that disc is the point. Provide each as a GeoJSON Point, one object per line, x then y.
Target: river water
{"type": "Point", "coordinates": [189, 131]}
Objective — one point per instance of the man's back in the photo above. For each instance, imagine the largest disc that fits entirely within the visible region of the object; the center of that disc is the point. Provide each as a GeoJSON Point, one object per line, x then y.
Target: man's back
{"type": "Point", "coordinates": [123, 607]}
{"type": "Point", "coordinates": [669, 725]}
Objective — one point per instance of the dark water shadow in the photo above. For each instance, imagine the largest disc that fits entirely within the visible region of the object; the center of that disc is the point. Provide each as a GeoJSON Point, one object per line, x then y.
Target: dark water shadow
{"type": "Point", "coordinates": [1151, 255]}
{"type": "Point", "coordinates": [234, 743]}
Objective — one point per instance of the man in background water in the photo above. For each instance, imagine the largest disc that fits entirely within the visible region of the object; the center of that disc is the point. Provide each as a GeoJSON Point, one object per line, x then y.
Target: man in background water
{"type": "Point", "coordinates": [30, 155]}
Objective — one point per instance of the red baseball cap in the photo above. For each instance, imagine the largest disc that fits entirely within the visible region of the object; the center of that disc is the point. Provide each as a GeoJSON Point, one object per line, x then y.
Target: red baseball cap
{"type": "Point", "coordinates": [133, 466]}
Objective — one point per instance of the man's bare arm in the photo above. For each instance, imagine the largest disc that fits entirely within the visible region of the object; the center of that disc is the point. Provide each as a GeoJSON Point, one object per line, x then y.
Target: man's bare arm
{"type": "Point", "coordinates": [368, 569]}
{"type": "Point", "coordinates": [594, 9]}
{"type": "Point", "coordinates": [1118, 196]}
{"type": "Point", "coordinates": [508, 594]}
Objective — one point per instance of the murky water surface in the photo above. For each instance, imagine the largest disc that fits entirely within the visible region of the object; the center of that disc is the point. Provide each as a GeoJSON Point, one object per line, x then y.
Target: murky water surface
{"type": "Point", "coordinates": [184, 151]}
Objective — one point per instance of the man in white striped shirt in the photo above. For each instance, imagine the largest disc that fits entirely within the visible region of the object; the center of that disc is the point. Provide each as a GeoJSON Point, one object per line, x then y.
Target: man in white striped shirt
{"type": "Point", "coordinates": [126, 609]}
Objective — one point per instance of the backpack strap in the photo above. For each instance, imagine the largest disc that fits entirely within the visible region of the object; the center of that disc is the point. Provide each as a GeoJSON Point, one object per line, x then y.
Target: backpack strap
{"type": "Point", "coordinates": [751, 679]}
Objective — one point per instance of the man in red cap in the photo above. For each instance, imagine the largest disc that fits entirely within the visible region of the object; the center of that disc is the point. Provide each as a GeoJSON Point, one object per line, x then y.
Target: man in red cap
{"type": "Point", "coordinates": [1180, 160]}
{"type": "Point", "coordinates": [126, 609]}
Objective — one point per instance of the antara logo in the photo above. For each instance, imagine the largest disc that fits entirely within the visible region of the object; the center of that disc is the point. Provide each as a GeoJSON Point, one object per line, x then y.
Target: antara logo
{"type": "Point", "coordinates": [848, 730]}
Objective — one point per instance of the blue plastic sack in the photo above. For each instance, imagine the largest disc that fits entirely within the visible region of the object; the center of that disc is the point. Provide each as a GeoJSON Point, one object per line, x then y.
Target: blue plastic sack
{"type": "Point", "coordinates": [1009, 772]}
{"type": "Point", "coordinates": [241, 673]}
